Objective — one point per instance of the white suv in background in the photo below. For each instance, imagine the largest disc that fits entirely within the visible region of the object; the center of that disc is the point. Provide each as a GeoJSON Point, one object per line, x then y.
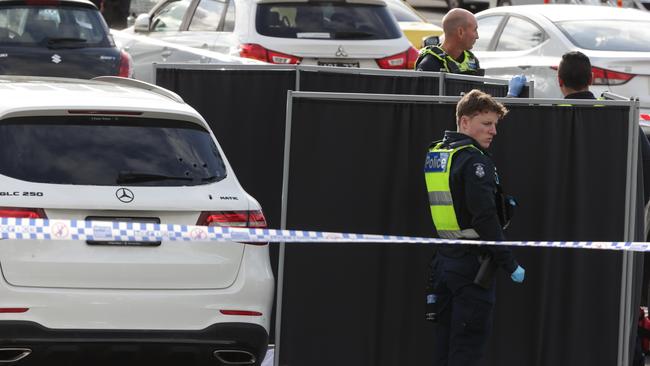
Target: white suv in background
{"type": "Point", "coordinates": [115, 149]}
{"type": "Point", "coordinates": [350, 33]}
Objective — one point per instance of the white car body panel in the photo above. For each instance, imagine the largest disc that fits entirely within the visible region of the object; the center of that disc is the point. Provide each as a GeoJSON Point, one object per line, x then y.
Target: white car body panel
{"type": "Point", "coordinates": [176, 285]}
{"type": "Point", "coordinates": [536, 62]}
{"type": "Point", "coordinates": [64, 308]}
{"type": "Point", "coordinates": [173, 47]}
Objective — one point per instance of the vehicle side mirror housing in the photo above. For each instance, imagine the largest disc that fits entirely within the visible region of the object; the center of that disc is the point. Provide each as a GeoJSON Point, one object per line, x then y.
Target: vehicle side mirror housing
{"type": "Point", "coordinates": [141, 24]}
{"type": "Point", "coordinates": [431, 41]}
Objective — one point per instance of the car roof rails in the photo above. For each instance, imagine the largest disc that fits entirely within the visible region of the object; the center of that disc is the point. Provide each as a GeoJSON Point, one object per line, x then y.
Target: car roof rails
{"type": "Point", "coordinates": [134, 83]}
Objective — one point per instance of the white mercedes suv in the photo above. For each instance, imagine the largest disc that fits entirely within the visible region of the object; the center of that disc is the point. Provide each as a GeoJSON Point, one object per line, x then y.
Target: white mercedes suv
{"type": "Point", "coordinates": [115, 149]}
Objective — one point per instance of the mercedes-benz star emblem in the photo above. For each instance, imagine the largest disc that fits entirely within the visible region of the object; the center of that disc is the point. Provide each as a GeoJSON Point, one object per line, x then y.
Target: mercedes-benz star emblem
{"type": "Point", "coordinates": [341, 52]}
{"type": "Point", "coordinates": [125, 195]}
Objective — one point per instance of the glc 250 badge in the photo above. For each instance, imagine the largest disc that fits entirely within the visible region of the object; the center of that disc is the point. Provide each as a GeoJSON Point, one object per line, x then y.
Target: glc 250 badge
{"type": "Point", "coordinates": [24, 194]}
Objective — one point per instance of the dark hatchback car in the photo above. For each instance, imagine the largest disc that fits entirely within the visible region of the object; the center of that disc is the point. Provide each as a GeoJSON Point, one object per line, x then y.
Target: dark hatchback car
{"type": "Point", "coordinates": [65, 38]}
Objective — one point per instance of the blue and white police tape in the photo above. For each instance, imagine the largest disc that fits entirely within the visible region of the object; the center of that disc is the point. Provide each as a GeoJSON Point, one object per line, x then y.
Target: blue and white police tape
{"type": "Point", "coordinates": [40, 229]}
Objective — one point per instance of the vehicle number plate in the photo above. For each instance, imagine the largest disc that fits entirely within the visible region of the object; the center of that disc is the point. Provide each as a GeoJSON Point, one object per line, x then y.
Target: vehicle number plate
{"type": "Point", "coordinates": [338, 64]}
{"type": "Point", "coordinates": [101, 231]}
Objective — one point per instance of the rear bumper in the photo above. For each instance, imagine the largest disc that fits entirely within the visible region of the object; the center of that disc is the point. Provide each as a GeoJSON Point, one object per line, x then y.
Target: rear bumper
{"type": "Point", "coordinates": [131, 347]}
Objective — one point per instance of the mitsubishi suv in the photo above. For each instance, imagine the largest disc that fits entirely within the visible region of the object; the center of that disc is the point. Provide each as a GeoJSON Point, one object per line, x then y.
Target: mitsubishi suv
{"type": "Point", "coordinates": [121, 150]}
{"type": "Point", "coordinates": [349, 33]}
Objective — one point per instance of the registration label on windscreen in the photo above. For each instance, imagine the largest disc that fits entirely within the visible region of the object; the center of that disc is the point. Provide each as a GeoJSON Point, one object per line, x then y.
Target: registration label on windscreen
{"type": "Point", "coordinates": [321, 35]}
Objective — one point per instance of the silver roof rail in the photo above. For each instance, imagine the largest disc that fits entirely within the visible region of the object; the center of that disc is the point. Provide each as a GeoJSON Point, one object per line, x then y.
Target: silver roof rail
{"type": "Point", "coordinates": [134, 83]}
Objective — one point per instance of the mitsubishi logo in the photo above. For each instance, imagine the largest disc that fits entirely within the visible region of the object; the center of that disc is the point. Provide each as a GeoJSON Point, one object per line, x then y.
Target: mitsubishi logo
{"type": "Point", "coordinates": [56, 58]}
{"type": "Point", "coordinates": [125, 195]}
{"type": "Point", "coordinates": [341, 52]}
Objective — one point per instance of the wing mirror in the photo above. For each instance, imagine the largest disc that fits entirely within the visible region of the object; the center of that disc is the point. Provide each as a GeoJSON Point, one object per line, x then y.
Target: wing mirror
{"type": "Point", "coordinates": [431, 41]}
{"type": "Point", "coordinates": [141, 24]}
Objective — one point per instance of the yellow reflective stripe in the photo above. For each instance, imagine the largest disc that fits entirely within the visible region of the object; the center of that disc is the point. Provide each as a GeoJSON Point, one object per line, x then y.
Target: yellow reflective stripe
{"type": "Point", "coordinates": [571, 105]}
{"type": "Point", "coordinates": [439, 193]}
{"type": "Point", "coordinates": [462, 66]}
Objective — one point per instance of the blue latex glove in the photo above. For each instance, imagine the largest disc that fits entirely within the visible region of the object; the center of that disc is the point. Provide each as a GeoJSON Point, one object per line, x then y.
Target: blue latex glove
{"type": "Point", "coordinates": [518, 275]}
{"type": "Point", "coordinates": [516, 84]}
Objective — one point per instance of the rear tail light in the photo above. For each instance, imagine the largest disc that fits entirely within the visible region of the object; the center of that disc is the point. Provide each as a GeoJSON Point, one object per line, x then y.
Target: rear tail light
{"type": "Point", "coordinates": [609, 77]}
{"type": "Point", "coordinates": [257, 52]}
{"type": "Point", "coordinates": [411, 56]}
{"type": "Point", "coordinates": [250, 219]}
{"type": "Point", "coordinates": [240, 312]}
{"type": "Point", "coordinates": [119, 113]}
{"type": "Point", "coordinates": [23, 213]}
{"type": "Point", "coordinates": [399, 61]}
{"type": "Point", "coordinates": [13, 310]}
{"type": "Point", "coordinates": [126, 65]}
{"type": "Point", "coordinates": [247, 219]}
{"type": "Point", "coordinates": [645, 117]}
{"type": "Point", "coordinates": [606, 77]}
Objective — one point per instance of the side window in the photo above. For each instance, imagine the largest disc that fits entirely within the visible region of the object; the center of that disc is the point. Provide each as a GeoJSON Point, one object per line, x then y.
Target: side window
{"type": "Point", "coordinates": [519, 35]}
{"type": "Point", "coordinates": [229, 19]}
{"type": "Point", "coordinates": [207, 15]}
{"type": "Point", "coordinates": [486, 28]}
{"type": "Point", "coordinates": [170, 16]}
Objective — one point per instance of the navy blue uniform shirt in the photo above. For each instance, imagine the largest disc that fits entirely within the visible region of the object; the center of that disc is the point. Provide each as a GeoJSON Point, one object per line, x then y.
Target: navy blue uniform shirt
{"type": "Point", "coordinates": [473, 180]}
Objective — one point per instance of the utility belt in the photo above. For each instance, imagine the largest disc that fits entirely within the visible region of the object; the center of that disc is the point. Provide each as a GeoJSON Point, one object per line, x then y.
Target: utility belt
{"type": "Point", "coordinates": [487, 267]}
{"type": "Point", "coordinates": [460, 250]}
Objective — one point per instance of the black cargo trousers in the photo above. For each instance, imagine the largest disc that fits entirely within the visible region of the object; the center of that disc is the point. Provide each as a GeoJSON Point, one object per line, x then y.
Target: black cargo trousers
{"type": "Point", "coordinates": [464, 310]}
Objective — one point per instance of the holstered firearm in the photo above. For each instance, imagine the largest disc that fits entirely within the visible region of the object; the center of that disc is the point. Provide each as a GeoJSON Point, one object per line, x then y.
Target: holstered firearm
{"type": "Point", "coordinates": [486, 272]}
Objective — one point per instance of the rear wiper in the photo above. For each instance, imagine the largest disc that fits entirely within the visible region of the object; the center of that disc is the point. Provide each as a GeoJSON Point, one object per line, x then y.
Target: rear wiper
{"type": "Point", "coordinates": [133, 177]}
{"type": "Point", "coordinates": [352, 35]}
{"type": "Point", "coordinates": [66, 42]}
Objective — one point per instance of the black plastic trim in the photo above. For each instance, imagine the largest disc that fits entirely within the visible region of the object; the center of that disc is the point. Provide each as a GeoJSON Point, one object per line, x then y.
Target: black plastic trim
{"type": "Point", "coordinates": [131, 347]}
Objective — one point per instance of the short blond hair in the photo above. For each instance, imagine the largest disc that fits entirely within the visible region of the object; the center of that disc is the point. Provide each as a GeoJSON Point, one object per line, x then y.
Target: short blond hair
{"type": "Point", "coordinates": [476, 102]}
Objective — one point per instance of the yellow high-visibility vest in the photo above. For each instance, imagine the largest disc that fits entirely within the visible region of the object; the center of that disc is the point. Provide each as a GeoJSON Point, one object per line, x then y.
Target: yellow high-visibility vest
{"type": "Point", "coordinates": [437, 170]}
{"type": "Point", "coordinates": [468, 66]}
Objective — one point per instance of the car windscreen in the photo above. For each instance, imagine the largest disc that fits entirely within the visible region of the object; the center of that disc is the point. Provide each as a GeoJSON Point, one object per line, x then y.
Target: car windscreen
{"type": "Point", "coordinates": [402, 12]}
{"type": "Point", "coordinates": [608, 35]}
{"type": "Point", "coordinates": [323, 20]}
{"type": "Point", "coordinates": [98, 150]}
{"type": "Point", "coordinates": [52, 26]}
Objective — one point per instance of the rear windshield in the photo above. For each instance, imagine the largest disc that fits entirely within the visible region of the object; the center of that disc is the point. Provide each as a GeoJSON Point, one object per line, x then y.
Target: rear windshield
{"type": "Point", "coordinates": [108, 151]}
{"type": "Point", "coordinates": [322, 20]}
{"type": "Point", "coordinates": [53, 27]}
{"type": "Point", "coordinates": [608, 35]}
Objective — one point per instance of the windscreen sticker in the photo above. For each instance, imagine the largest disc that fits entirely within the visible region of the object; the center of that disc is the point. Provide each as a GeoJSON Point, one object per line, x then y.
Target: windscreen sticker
{"type": "Point", "coordinates": [321, 35]}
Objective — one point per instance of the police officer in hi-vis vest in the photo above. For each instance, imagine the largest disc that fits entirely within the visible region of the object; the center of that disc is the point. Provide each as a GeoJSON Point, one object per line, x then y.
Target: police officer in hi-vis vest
{"type": "Point", "coordinates": [466, 202]}
{"type": "Point", "coordinates": [453, 55]}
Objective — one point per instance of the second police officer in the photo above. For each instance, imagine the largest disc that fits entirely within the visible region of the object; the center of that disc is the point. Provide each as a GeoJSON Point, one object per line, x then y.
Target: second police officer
{"type": "Point", "coordinates": [454, 56]}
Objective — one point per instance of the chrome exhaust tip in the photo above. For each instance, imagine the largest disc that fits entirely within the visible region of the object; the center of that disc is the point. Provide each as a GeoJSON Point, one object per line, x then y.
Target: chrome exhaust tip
{"type": "Point", "coordinates": [234, 357]}
{"type": "Point", "coordinates": [13, 354]}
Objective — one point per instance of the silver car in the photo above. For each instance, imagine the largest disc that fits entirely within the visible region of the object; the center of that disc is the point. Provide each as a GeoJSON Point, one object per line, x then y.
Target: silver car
{"type": "Point", "coordinates": [531, 39]}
